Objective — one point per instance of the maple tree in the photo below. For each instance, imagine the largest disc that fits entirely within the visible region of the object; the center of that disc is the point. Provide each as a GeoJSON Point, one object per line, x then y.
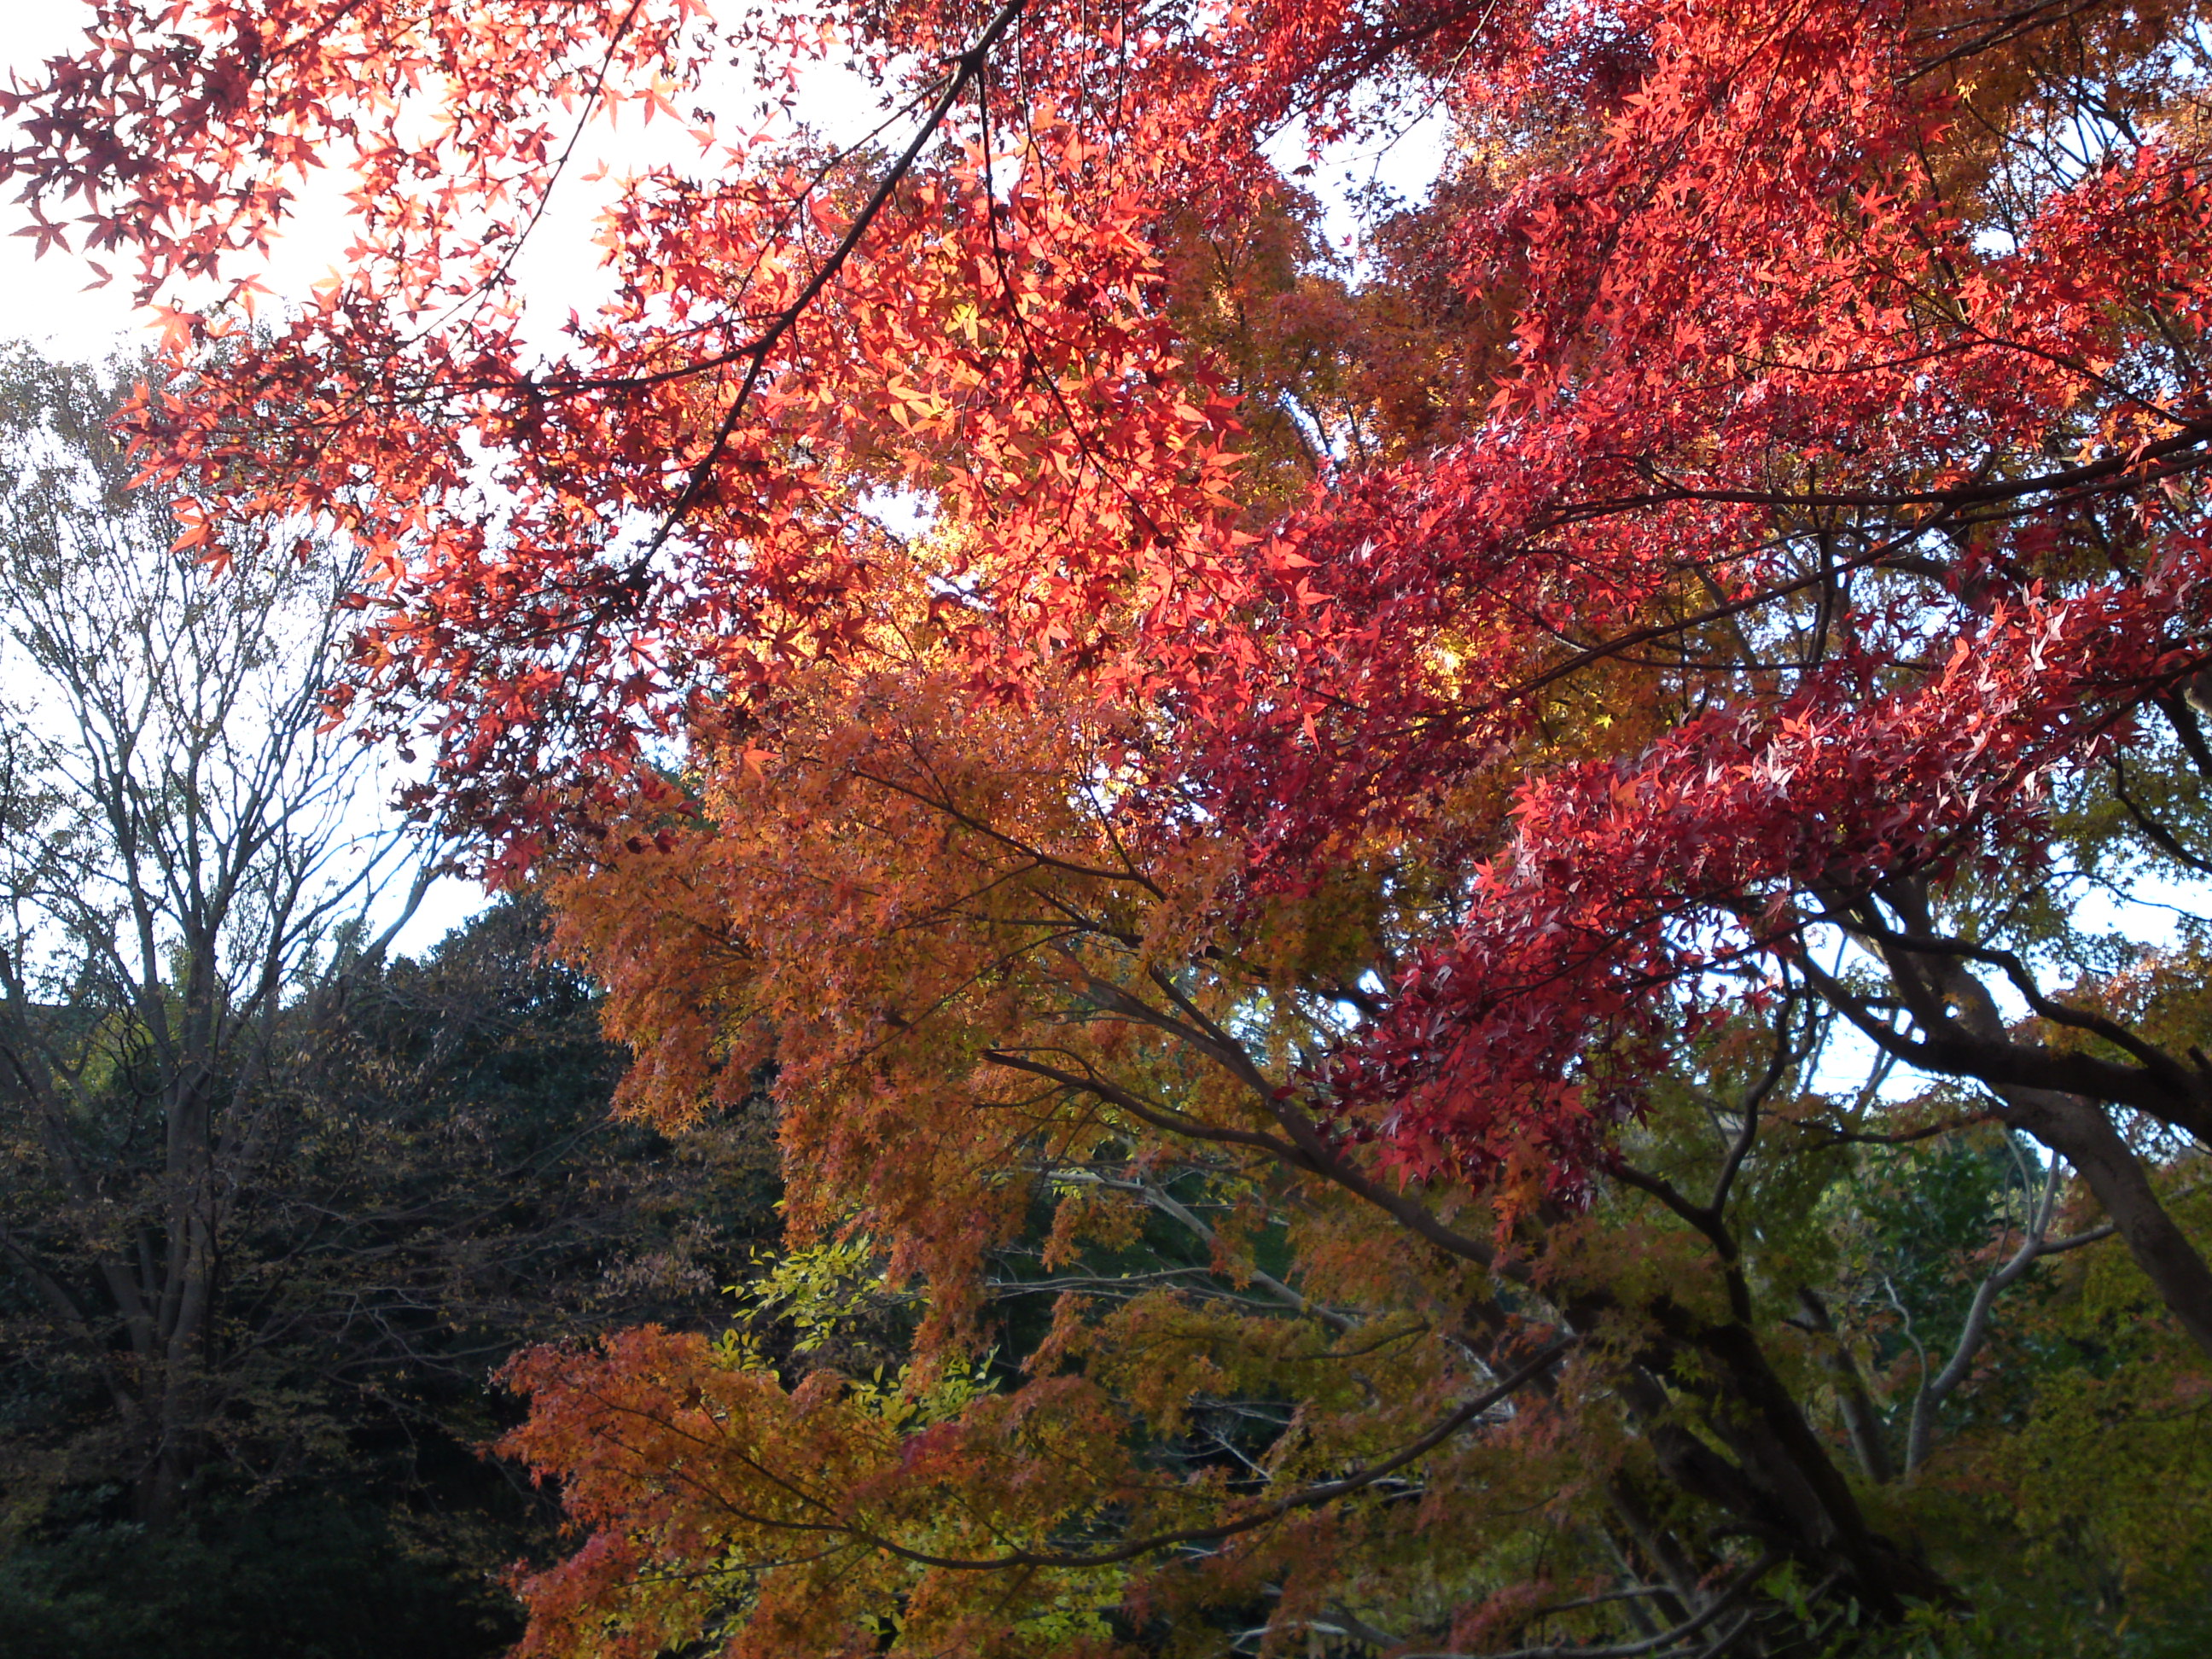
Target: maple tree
{"type": "Point", "coordinates": [1396, 777]}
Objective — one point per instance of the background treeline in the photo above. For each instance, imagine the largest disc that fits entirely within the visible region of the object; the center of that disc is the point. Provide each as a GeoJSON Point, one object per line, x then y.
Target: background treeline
{"type": "Point", "coordinates": [274, 1202]}
{"type": "Point", "coordinates": [441, 1185]}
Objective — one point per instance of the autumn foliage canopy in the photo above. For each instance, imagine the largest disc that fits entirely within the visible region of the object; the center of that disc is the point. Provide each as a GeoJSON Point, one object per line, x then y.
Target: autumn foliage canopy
{"type": "Point", "coordinates": [1337, 867]}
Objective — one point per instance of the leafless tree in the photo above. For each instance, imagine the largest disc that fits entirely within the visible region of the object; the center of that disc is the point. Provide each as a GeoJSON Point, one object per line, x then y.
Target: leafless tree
{"type": "Point", "coordinates": [188, 854]}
